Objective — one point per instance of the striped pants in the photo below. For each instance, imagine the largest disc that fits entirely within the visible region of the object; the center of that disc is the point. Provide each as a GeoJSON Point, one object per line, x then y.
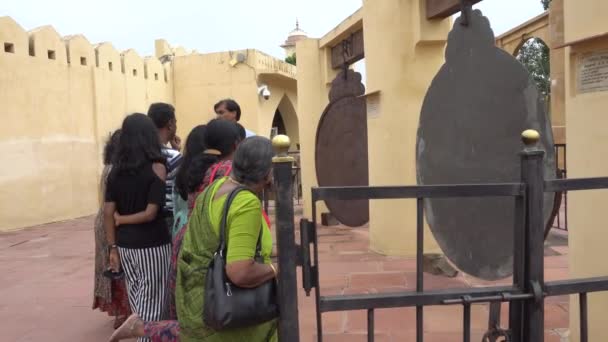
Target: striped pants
{"type": "Point", "coordinates": [147, 273]}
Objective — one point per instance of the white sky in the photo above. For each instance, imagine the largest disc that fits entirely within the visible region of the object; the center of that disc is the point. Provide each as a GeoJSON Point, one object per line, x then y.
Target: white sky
{"type": "Point", "coordinates": [213, 25]}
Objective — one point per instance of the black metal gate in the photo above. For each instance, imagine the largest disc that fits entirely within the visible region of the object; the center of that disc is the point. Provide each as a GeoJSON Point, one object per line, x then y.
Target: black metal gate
{"type": "Point", "coordinates": [525, 296]}
{"type": "Point", "coordinates": [561, 221]}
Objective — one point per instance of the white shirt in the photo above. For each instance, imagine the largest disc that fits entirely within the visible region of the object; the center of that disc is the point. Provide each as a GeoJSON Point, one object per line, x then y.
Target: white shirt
{"type": "Point", "coordinates": [249, 133]}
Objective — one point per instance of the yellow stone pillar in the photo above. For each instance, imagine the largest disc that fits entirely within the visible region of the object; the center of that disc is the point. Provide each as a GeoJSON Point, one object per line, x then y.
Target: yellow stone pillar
{"type": "Point", "coordinates": [587, 139]}
{"type": "Point", "coordinates": [558, 82]}
{"type": "Point", "coordinates": [403, 53]}
{"type": "Point", "coordinates": [314, 78]}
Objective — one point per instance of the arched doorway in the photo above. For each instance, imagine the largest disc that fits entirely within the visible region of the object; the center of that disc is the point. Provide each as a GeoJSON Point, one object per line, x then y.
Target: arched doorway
{"type": "Point", "coordinates": [534, 54]}
{"type": "Point", "coordinates": [285, 121]}
{"type": "Point", "coordinates": [278, 126]}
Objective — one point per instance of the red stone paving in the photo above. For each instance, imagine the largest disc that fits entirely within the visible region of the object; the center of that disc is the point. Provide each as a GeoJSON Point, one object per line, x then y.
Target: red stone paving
{"type": "Point", "coordinates": [47, 280]}
{"type": "Point", "coordinates": [348, 267]}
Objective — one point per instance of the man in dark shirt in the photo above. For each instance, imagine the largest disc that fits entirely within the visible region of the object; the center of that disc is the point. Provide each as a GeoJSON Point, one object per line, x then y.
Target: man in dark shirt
{"type": "Point", "coordinates": [163, 116]}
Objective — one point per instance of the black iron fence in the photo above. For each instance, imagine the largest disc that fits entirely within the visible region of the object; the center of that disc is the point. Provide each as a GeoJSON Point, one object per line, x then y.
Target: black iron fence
{"type": "Point", "coordinates": [525, 295]}
{"type": "Point", "coordinates": [561, 218]}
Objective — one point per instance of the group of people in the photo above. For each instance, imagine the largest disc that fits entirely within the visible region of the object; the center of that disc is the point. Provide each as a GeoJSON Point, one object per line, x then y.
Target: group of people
{"type": "Point", "coordinates": [158, 224]}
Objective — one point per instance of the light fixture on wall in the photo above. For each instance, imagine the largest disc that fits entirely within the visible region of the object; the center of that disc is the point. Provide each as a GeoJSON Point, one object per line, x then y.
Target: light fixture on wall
{"type": "Point", "coordinates": [264, 91]}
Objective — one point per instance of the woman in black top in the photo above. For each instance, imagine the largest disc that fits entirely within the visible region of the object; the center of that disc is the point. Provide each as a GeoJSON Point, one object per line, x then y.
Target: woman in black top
{"type": "Point", "coordinates": [136, 191]}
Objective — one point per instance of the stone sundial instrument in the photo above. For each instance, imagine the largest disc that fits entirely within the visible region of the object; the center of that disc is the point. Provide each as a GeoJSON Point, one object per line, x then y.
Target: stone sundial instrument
{"type": "Point", "coordinates": [472, 115]}
{"type": "Point", "coordinates": [341, 146]}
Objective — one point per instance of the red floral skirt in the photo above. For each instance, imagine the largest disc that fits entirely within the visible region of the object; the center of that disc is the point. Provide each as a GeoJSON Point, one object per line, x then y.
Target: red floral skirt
{"type": "Point", "coordinates": [119, 306]}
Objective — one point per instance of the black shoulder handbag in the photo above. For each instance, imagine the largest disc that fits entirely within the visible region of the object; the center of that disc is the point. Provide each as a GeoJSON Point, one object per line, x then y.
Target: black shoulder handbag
{"type": "Point", "coordinates": [228, 306]}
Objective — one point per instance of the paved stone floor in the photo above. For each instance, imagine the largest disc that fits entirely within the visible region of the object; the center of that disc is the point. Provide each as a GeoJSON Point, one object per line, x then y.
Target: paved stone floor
{"type": "Point", "coordinates": [46, 289]}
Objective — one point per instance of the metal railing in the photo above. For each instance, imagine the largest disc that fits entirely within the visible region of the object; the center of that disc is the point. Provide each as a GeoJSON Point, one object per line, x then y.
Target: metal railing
{"type": "Point", "coordinates": [525, 295]}
{"type": "Point", "coordinates": [562, 169]}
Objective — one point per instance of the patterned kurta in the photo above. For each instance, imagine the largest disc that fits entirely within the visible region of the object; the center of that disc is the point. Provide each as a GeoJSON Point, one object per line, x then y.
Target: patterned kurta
{"type": "Point", "coordinates": [108, 295]}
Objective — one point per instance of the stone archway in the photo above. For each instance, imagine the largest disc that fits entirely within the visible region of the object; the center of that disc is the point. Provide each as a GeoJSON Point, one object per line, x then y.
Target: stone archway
{"type": "Point", "coordinates": [512, 40]}
{"type": "Point", "coordinates": [285, 121]}
{"type": "Point", "coordinates": [534, 54]}
{"type": "Point", "coordinates": [548, 27]}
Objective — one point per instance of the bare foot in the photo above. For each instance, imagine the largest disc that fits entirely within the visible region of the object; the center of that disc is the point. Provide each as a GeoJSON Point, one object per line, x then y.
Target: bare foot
{"type": "Point", "coordinates": [132, 327]}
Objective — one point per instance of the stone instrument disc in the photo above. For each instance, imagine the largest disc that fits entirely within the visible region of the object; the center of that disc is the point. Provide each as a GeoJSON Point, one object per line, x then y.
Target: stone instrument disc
{"type": "Point", "coordinates": [469, 133]}
{"type": "Point", "coordinates": [341, 146]}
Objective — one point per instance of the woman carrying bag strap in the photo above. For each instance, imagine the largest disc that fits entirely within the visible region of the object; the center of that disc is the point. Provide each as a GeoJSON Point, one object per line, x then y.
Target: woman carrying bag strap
{"type": "Point", "coordinates": [228, 306]}
{"type": "Point", "coordinates": [243, 248]}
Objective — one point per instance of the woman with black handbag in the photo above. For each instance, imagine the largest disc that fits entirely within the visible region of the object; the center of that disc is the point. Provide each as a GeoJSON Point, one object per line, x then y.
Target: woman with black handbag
{"type": "Point", "coordinates": [225, 280]}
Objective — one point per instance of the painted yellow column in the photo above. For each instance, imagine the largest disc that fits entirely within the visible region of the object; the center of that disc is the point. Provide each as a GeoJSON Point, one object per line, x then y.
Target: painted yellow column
{"type": "Point", "coordinates": [558, 82]}
{"type": "Point", "coordinates": [587, 138]}
{"type": "Point", "coordinates": [314, 78]}
{"type": "Point", "coordinates": [403, 53]}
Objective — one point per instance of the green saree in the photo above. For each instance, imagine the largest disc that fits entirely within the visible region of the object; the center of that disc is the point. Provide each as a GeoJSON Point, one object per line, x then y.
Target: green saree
{"type": "Point", "coordinates": [200, 242]}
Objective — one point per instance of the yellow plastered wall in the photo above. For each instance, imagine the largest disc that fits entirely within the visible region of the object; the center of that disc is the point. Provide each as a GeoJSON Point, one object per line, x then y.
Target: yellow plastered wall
{"type": "Point", "coordinates": [110, 93]}
{"type": "Point", "coordinates": [46, 44]}
{"type": "Point", "coordinates": [584, 19]}
{"type": "Point", "coordinates": [201, 80]}
{"type": "Point", "coordinates": [60, 103]}
{"type": "Point", "coordinates": [587, 144]}
{"type": "Point", "coordinates": [558, 82]}
{"type": "Point", "coordinates": [133, 69]}
{"type": "Point", "coordinates": [404, 51]}
{"type": "Point", "coordinates": [64, 96]}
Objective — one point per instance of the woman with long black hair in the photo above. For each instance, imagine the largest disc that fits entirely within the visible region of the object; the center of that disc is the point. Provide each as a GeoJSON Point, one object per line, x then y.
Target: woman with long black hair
{"type": "Point", "coordinates": [140, 242]}
{"type": "Point", "coordinates": [186, 175]}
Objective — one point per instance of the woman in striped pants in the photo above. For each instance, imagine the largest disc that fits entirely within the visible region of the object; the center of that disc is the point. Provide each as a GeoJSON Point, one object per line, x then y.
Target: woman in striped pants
{"type": "Point", "coordinates": [139, 240]}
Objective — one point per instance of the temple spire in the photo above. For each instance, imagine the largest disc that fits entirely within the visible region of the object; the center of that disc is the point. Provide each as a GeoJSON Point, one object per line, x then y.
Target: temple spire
{"type": "Point", "coordinates": [295, 35]}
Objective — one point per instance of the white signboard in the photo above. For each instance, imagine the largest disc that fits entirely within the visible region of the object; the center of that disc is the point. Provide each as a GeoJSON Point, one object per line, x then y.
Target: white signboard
{"type": "Point", "coordinates": [593, 72]}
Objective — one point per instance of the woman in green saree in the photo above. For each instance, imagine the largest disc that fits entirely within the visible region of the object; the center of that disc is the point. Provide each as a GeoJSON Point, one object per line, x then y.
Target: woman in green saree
{"type": "Point", "coordinates": [251, 168]}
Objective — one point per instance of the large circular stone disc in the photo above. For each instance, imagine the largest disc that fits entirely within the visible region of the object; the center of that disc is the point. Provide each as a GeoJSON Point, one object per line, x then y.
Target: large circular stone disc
{"type": "Point", "coordinates": [469, 133]}
{"type": "Point", "coordinates": [341, 155]}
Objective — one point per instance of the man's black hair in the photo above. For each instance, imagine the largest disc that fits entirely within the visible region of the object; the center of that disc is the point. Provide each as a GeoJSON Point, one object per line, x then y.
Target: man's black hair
{"type": "Point", "coordinates": [231, 106]}
{"type": "Point", "coordinates": [161, 114]}
{"type": "Point", "coordinates": [242, 132]}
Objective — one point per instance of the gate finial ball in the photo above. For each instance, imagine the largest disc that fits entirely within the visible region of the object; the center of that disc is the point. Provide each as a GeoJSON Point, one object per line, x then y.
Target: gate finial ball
{"type": "Point", "coordinates": [281, 145]}
{"type": "Point", "coordinates": [530, 137]}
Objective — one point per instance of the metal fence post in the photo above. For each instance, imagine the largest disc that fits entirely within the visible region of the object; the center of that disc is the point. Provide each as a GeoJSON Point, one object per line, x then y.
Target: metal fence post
{"type": "Point", "coordinates": [532, 168]}
{"type": "Point", "coordinates": [285, 233]}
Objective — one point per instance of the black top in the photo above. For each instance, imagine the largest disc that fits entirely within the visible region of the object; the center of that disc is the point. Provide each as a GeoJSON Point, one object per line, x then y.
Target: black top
{"type": "Point", "coordinates": [132, 193]}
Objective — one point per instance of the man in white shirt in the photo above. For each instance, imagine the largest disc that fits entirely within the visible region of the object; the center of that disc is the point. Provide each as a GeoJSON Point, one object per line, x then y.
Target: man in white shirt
{"type": "Point", "coordinates": [228, 109]}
